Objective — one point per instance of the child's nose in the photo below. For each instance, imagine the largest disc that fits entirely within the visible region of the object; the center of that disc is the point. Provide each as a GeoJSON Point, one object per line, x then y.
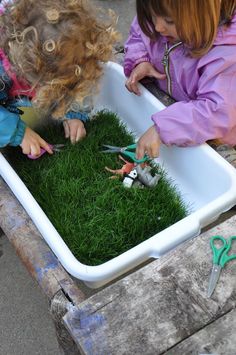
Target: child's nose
{"type": "Point", "coordinates": [160, 25]}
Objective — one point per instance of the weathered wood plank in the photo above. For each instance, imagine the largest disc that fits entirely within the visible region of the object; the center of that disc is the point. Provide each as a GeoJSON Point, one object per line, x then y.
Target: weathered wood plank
{"type": "Point", "coordinates": [42, 264]}
{"type": "Point", "coordinates": [158, 306]}
{"type": "Point", "coordinates": [1, 234]}
{"type": "Point", "coordinates": [217, 338]}
{"type": "Point", "coordinates": [28, 243]}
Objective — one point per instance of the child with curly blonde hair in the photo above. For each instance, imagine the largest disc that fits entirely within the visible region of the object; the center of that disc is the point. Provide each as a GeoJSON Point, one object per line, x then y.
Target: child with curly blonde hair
{"type": "Point", "coordinates": [189, 49]}
{"type": "Point", "coordinates": [52, 52]}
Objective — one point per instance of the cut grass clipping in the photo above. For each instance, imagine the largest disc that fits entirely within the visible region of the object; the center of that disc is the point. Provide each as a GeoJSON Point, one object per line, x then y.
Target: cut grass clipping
{"type": "Point", "coordinates": [96, 216]}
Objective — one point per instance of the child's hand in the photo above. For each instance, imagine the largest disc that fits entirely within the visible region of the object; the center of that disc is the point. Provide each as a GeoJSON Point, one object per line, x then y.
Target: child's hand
{"type": "Point", "coordinates": [74, 129]}
{"type": "Point", "coordinates": [149, 144]}
{"type": "Point", "coordinates": [139, 72]}
{"type": "Point", "coordinates": [32, 143]}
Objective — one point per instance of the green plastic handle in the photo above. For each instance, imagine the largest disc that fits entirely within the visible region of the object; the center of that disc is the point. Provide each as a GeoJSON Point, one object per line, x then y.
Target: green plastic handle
{"type": "Point", "coordinates": [131, 146]}
{"type": "Point", "coordinates": [225, 258]}
{"type": "Point", "coordinates": [132, 155]}
{"type": "Point", "coordinates": [217, 252]}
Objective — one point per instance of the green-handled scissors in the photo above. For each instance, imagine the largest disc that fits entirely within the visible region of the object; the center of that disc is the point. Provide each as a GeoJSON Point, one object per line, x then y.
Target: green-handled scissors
{"type": "Point", "coordinates": [128, 151]}
{"type": "Point", "coordinates": [220, 259]}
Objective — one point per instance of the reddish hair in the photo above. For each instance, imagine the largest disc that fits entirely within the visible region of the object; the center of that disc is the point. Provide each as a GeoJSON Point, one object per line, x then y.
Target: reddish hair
{"type": "Point", "coordinates": [196, 21]}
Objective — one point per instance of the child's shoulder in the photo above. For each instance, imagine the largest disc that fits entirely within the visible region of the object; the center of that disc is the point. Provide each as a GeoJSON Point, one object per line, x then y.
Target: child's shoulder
{"type": "Point", "coordinates": [226, 34]}
{"type": "Point", "coordinates": [224, 46]}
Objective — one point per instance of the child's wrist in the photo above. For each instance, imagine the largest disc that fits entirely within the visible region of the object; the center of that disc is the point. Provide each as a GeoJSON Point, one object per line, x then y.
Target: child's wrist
{"type": "Point", "coordinates": [141, 60]}
{"type": "Point", "coordinates": [129, 68]}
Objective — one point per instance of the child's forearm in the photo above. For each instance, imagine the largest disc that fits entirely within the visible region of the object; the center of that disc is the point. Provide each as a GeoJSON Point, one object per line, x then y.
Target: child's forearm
{"type": "Point", "coordinates": [12, 128]}
{"type": "Point", "coordinates": [135, 49]}
{"type": "Point", "coordinates": [193, 123]}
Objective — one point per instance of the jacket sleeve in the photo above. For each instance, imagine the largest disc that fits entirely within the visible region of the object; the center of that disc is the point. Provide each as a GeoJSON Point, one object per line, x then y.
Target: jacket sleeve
{"type": "Point", "coordinates": [82, 116]}
{"type": "Point", "coordinates": [135, 49]}
{"type": "Point", "coordinates": [12, 128]}
{"type": "Point", "coordinates": [211, 115]}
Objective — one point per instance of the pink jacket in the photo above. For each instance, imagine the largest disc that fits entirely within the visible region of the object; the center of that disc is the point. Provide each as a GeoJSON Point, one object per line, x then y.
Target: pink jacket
{"type": "Point", "coordinates": [19, 87]}
{"type": "Point", "coordinates": [205, 87]}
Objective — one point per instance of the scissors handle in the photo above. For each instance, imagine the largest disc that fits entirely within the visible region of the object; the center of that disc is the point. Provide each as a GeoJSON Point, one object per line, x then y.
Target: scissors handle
{"type": "Point", "coordinates": [128, 151]}
{"type": "Point", "coordinates": [42, 151]}
{"type": "Point", "coordinates": [132, 155]}
{"type": "Point", "coordinates": [132, 146]}
{"type": "Point", "coordinates": [217, 252]}
{"type": "Point", "coordinates": [225, 258]}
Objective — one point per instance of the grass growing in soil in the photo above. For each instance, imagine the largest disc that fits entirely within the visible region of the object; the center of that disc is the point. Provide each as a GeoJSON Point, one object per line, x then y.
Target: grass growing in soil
{"type": "Point", "coordinates": [96, 216]}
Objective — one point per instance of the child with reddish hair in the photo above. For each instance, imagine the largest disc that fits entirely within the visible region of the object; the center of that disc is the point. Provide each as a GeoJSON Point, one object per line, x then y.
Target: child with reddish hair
{"type": "Point", "coordinates": [189, 49]}
{"type": "Point", "coordinates": [52, 52]}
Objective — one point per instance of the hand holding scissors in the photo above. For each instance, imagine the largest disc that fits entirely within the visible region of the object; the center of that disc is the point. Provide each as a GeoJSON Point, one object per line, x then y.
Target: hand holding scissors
{"type": "Point", "coordinates": [128, 151]}
{"type": "Point", "coordinates": [220, 259]}
{"type": "Point", "coordinates": [54, 147]}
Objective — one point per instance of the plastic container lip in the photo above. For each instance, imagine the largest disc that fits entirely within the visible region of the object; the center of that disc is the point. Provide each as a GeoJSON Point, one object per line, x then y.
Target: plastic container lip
{"type": "Point", "coordinates": [206, 182]}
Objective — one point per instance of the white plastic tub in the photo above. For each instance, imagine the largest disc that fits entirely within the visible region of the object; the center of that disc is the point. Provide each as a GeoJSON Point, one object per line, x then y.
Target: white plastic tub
{"type": "Point", "coordinates": [206, 181]}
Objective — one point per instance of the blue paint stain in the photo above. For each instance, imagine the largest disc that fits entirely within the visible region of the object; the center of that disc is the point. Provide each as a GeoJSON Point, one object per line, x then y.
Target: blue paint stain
{"type": "Point", "coordinates": [50, 263]}
{"type": "Point", "coordinates": [86, 319]}
{"type": "Point", "coordinates": [86, 322]}
{"type": "Point", "coordinates": [88, 344]}
{"type": "Point", "coordinates": [91, 321]}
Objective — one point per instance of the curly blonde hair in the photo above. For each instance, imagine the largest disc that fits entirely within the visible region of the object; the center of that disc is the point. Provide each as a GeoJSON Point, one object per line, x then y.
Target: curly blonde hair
{"type": "Point", "coordinates": [58, 47]}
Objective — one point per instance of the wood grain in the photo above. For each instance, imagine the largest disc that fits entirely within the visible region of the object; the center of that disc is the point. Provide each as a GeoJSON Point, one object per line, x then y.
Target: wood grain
{"type": "Point", "coordinates": [159, 306]}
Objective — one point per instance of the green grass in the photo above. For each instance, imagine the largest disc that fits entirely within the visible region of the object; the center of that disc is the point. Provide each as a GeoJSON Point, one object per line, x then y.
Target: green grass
{"type": "Point", "coordinates": [96, 216]}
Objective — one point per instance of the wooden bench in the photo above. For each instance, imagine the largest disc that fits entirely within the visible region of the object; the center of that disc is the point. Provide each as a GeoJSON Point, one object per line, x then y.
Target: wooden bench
{"type": "Point", "coordinates": [163, 308]}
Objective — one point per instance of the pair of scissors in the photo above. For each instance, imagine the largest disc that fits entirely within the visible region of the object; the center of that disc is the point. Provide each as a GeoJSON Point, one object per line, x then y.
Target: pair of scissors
{"type": "Point", "coordinates": [220, 259]}
{"type": "Point", "coordinates": [128, 151]}
{"type": "Point", "coordinates": [54, 147]}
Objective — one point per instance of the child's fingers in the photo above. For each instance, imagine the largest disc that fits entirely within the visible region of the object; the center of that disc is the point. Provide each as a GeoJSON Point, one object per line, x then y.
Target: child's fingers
{"type": "Point", "coordinates": [140, 151]}
{"type": "Point", "coordinates": [76, 130]}
{"type": "Point", "coordinates": [135, 88]}
{"type": "Point", "coordinates": [153, 151]}
{"type": "Point", "coordinates": [45, 146]}
{"type": "Point", "coordinates": [66, 129]}
{"type": "Point", "coordinates": [149, 144]}
{"type": "Point", "coordinates": [35, 150]}
{"type": "Point", "coordinates": [81, 133]}
{"type": "Point", "coordinates": [132, 85]}
{"type": "Point", "coordinates": [25, 149]}
{"type": "Point", "coordinates": [73, 132]}
{"type": "Point", "coordinates": [154, 73]}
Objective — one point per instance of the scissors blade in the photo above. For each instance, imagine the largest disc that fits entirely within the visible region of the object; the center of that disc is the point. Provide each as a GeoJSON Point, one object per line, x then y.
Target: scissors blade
{"type": "Point", "coordinates": [111, 149]}
{"type": "Point", "coordinates": [215, 274]}
{"type": "Point", "coordinates": [57, 147]}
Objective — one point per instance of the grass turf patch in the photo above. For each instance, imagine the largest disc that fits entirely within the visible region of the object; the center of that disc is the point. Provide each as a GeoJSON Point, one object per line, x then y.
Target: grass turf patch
{"type": "Point", "coordinates": [96, 216]}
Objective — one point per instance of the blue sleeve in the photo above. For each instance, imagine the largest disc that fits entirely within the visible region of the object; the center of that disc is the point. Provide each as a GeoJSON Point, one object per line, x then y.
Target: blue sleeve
{"type": "Point", "coordinates": [82, 116]}
{"type": "Point", "coordinates": [22, 102]}
{"type": "Point", "coordinates": [12, 128]}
